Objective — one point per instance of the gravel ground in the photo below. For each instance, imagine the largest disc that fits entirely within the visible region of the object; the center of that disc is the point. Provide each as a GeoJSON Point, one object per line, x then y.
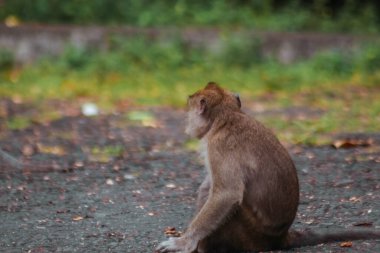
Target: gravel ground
{"type": "Point", "coordinates": [108, 184]}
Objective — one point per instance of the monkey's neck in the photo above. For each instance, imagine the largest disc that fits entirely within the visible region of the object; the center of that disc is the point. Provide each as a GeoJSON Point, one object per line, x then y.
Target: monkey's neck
{"type": "Point", "coordinates": [221, 117]}
{"type": "Point", "coordinates": [204, 130]}
{"type": "Point", "coordinates": [218, 123]}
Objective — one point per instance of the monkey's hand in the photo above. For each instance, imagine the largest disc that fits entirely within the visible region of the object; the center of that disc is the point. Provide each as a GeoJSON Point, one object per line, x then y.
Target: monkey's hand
{"type": "Point", "coordinates": [179, 245]}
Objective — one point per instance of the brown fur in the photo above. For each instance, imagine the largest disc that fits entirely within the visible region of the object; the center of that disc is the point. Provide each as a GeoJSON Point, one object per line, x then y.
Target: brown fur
{"type": "Point", "coordinates": [250, 196]}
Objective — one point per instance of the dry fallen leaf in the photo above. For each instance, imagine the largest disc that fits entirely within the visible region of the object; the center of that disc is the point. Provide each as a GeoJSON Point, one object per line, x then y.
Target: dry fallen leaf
{"type": "Point", "coordinates": [78, 218]}
{"type": "Point", "coordinates": [78, 164]}
{"type": "Point", "coordinates": [172, 232]}
{"type": "Point", "coordinates": [363, 224]}
{"type": "Point", "coordinates": [354, 199]}
{"type": "Point", "coordinates": [346, 244]}
{"type": "Point", "coordinates": [109, 182]}
{"type": "Point", "coordinates": [351, 143]}
{"type": "Point", "coordinates": [311, 221]}
{"type": "Point", "coordinates": [117, 235]}
{"type": "Point", "coordinates": [27, 150]}
{"type": "Point", "coordinates": [171, 186]}
{"type": "Point", "coordinates": [54, 150]}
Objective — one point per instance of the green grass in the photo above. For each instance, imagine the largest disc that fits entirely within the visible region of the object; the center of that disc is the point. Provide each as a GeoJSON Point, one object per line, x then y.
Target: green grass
{"type": "Point", "coordinates": [104, 154]}
{"type": "Point", "coordinates": [16, 123]}
{"type": "Point", "coordinates": [328, 16]}
{"type": "Point", "coordinates": [345, 85]}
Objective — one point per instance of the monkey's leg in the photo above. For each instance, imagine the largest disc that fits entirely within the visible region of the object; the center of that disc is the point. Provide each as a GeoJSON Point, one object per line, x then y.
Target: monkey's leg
{"type": "Point", "coordinates": [237, 235]}
{"type": "Point", "coordinates": [232, 236]}
{"type": "Point", "coordinates": [203, 193]}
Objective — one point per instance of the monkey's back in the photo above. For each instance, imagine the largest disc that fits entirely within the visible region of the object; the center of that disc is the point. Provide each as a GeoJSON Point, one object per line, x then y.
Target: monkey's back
{"type": "Point", "coordinates": [271, 184]}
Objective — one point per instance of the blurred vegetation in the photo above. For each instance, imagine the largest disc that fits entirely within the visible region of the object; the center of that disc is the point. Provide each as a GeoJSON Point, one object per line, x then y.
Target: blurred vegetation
{"type": "Point", "coordinates": [342, 84]}
{"type": "Point", "coordinates": [290, 15]}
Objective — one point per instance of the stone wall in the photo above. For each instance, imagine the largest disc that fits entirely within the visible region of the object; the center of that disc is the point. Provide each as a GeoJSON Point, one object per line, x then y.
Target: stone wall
{"type": "Point", "coordinates": [29, 42]}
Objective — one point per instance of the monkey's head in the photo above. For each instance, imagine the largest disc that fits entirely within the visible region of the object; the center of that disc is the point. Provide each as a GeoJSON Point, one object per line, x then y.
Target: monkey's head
{"type": "Point", "coordinates": [205, 105]}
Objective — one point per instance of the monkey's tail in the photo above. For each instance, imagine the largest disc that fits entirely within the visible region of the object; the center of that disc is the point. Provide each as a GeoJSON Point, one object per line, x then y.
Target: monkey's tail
{"type": "Point", "coordinates": [308, 238]}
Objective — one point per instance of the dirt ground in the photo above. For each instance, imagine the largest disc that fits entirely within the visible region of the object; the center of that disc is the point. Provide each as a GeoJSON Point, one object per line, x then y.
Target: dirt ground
{"type": "Point", "coordinates": [109, 184]}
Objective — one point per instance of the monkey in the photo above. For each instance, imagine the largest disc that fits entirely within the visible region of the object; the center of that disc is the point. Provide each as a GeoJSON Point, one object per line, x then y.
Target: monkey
{"type": "Point", "coordinates": [250, 195]}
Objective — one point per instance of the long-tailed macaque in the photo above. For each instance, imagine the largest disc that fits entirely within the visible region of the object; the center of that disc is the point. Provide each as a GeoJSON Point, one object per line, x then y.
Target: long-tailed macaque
{"type": "Point", "coordinates": [250, 195]}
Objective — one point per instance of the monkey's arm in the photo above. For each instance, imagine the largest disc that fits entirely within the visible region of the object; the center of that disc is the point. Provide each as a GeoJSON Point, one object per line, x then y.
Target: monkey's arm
{"type": "Point", "coordinates": [203, 193]}
{"type": "Point", "coordinates": [227, 190]}
{"type": "Point", "coordinates": [216, 209]}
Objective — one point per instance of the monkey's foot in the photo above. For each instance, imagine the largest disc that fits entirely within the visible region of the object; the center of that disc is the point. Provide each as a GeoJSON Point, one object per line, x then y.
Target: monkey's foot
{"type": "Point", "coordinates": [178, 245]}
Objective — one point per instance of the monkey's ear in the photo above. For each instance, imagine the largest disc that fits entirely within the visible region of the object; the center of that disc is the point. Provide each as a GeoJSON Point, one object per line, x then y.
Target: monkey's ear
{"type": "Point", "coordinates": [238, 99]}
{"type": "Point", "coordinates": [202, 106]}
{"type": "Point", "coordinates": [212, 85]}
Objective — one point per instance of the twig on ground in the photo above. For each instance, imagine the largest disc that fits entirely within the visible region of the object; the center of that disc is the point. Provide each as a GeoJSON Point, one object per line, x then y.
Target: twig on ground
{"type": "Point", "coordinates": [12, 161]}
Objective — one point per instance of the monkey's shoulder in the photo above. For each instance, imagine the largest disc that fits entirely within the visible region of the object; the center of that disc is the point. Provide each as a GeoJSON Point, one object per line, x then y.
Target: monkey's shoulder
{"type": "Point", "coordinates": [246, 127]}
{"type": "Point", "coordinates": [242, 132]}
{"type": "Point", "coordinates": [235, 129]}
